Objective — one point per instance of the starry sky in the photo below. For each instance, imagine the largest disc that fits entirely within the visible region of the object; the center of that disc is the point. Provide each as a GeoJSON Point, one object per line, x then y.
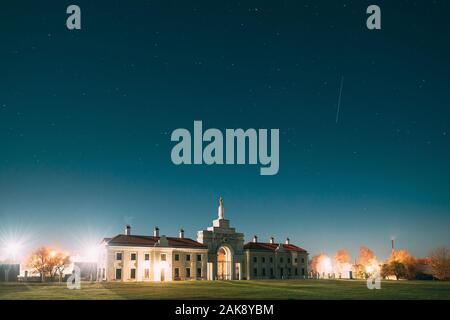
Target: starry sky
{"type": "Point", "coordinates": [86, 117]}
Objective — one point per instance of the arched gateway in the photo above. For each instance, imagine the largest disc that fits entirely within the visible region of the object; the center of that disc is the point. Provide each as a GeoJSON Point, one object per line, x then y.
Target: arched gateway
{"type": "Point", "coordinates": [225, 248]}
{"type": "Point", "coordinates": [224, 264]}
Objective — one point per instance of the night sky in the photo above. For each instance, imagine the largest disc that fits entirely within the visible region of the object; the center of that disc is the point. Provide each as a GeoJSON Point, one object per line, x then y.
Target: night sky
{"type": "Point", "coordinates": [86, 118]}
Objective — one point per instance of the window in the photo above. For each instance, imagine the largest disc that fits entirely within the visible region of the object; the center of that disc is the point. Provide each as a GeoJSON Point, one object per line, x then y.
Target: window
{"type": "Point", "coordinates": [295, 260]}
{"type": "Point", "coordinates": [177, 257]}
{"type": "Point", "coordinates": [177, 273]}
{"type": "Point", "coordinates": [255, 259]}
{"type": "Point", "coordinates": [118, 256]}
{"type": "Point", "coordinates": [133, 257]}
{"type": "Point", "coordinates": [133, 273]}
{"type": "Point", "coordinates": [303, 271]}
{"type": "Point", "coordinates": [296, 271]}
{"type": "Point", "coordinates": [104, 274]}
{"type": "Point", "coordinates": [163, 257]}
{"type": "Point", "coordinates": [199, 257]}
{"type": "Point", "coordinates": [281, 260]}
{"type": "Point", "coordinates": [303, 260]}
{"type": "Point", "coordinates": [271, 260]}
{"type": "Point", "coordinates": [118, 274]}
{"type": "Point", "coordinates": [289, 260]}
{"type": "Point", "coordinates": [199, 272]}
{"type": "Point", "coordinates": [264, 272]}
{"type": "Point", "coordinates": [263, 259]}
{"type": "Point", "coordinates": [188, 272]}
{"type": "Point", "coordinates": [255, 272]}
{"type": "Point", "coordinates": [188, 257]}
{"type": "Point", "coordinates": [147, 273]}
{"type": "Point", "coordinates": [147, 257]}
{"type": "Point", "coordinates": [271, 272]}
{"type": "Point", "coordinates": [289, 271]}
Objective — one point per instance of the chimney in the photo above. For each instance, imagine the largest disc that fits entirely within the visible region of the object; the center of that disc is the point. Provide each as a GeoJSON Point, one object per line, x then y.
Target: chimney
{"type": "Point", "coordinates": [287, 241]}
{"type": "Point", "coordinates": [255, 238]}
{"type": "Point", "coordinates": [156, 232]}
{"type": "Point", "coordinates": [181, 233]}
{"type": "Point", "coordinates": [271, 240]}
{"type": "Point", "coordinates": [392, 244]}
{"type": "Point", "coordinates": [127, 230]}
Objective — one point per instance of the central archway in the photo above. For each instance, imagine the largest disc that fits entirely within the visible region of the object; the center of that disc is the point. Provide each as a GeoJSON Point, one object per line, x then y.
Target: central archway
{"type": "Point", "coordinates": [224, 263]}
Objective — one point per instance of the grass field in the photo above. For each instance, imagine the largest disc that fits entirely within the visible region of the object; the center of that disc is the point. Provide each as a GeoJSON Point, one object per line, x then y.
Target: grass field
{"type": "Point", "coordinates": [267, 289]}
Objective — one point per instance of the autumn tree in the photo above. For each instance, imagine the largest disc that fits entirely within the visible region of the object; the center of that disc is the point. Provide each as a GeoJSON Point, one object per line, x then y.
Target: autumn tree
{"type": "Point", "coordinates": [60, 261]}
{"type": "Point", "coordinates": [365, 256]}
{"type": "Point", "coordinates": [342, 264]}
{"type": "Point", "coordinates": [38, 261]}
{"type": "Point", "coordinates": [313, 265]}
{"type": "Point", "coordinates": [402, 265]}
{"type": "Point", "coordinates": [342, 256]}
{"type": "Point", "coordinates": [385, 271]}
{"type": "Point", "coordinates": [440, 263]}
{"type": "Point", "coordinates": [398, 269]}
{"type": "Point", "coordinates": [47, 262]}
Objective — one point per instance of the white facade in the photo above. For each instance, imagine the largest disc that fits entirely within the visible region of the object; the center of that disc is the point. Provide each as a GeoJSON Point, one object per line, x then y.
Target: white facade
{"type": "Point", "coordinates": [218, 254]}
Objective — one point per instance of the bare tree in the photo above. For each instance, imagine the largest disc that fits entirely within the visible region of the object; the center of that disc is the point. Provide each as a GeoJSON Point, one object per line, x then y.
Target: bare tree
{"type": "Point", "coordinates": [61, 262]}
{"type": "Point", "coordinates": [440, 263]}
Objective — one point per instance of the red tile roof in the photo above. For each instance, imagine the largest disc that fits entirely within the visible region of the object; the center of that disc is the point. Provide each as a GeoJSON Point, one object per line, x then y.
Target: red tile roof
{"type": "Point", "coordinates": [272, 246]}
{"type": "Point", "coordinates": [150, 241]}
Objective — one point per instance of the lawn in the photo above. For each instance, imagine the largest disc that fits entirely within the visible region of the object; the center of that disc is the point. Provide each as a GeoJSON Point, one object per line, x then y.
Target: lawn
{"type": "Point", "coordinates": [264, 289]}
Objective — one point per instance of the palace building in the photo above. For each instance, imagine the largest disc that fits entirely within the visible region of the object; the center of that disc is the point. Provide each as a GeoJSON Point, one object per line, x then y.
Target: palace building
{"type": "Point", "coordinates": [219, 253]}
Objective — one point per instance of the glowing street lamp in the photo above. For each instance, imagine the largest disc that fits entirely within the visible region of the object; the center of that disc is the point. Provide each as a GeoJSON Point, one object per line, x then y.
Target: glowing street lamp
{"type": "Point", "coordinates": [13, 249]}
{"type": "Point", "coordinates": [91, 253]}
